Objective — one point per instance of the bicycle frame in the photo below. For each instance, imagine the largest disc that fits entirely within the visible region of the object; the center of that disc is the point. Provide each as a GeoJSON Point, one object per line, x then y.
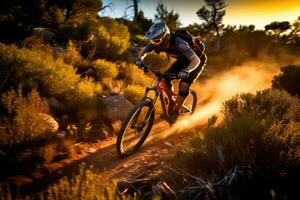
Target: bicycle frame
{"type": "Point", "coordinates": [160, 88]}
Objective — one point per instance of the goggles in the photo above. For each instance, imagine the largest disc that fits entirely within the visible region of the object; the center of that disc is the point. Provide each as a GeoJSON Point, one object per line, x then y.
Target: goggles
{"type": "Point", "coordinates": [156, 41]}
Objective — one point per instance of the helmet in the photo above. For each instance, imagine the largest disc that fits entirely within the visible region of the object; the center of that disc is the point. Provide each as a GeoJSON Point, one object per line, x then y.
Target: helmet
{"type": "Point", "coordinates": [157, 32]}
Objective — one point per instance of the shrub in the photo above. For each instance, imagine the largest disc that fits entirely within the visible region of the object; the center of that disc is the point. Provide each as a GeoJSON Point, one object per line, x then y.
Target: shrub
{"type": "Point", "coordinates": [271, 105]}
{"type": "Point", "coordinates": [75, 31]}
{"type": "Point", "coordinates": [48, 152]}
{"type": "Point", "coordinates": [131, 74]}
{"type": "Point", "coordinates": [111, 39]}
{"type": "Point", "coordinates": [134, 93]}
{"type": "Point", "coordinates": [72, 56]}
{"type": "Point", "coordinates": [105, 69]}
{"type": "Point", "coordinates": [84, 186]}
{"type": "Point", "coordinates": [37, 69]}
{"type": "Point", "coordinates": [25, 121]}
{"type": "Point", "coordinates": [157, 61]}
{"type": "Point", "coordinates": [288, 79]}
{"type": "Point", "coordinates": [258, 131]}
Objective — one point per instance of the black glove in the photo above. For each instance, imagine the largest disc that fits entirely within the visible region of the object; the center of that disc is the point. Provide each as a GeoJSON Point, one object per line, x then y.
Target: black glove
{"type": "Point", "coordinates": [183, 74]}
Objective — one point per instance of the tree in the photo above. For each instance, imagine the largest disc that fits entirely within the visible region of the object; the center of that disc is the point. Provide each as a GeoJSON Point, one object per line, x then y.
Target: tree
{"type": "Point", "coordinates": [82, 10]}
{"type": "Point", "coordinates": [132, 8]}
{"type": "Point", "coordinates": [212, 14]}
{"type": "Point", "coordinates": [294, 36]}
{"type": "Point", "coordinates": [20, 17]}
{"type": "Point", "coordinates": [278, 28]}
{"type": "Point", "coordinates": [170, 17]}
{"type": "Point", "coordinates": [288, 79]}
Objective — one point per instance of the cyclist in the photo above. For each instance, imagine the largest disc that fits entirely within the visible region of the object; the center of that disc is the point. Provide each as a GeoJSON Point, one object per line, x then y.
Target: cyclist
{"type": "Point", "coordinates": [189, 54]}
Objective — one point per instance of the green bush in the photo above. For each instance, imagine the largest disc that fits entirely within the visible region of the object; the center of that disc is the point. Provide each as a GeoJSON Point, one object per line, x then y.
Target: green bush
{"type": "Point", "coordinates": [105, 69]}
{"type": "Point", "coordinates": [258, 131]}
{"type": "Point", "coordinates": [25, 121]}
{"type": "Point", "coordinates": [288, 79]}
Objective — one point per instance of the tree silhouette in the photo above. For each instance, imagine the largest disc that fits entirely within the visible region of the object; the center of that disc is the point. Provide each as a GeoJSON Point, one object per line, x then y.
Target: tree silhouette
{"type": "Point", "coordinates": [278, 28]}
{"type": "Point", "coordinates": [294, 36]}
{"type": "Point", "coordinates": [132, 8]}
{"type": "Point", "coordinates": [288, 79]}
{"type": "Point", "coordinates": [170, 17]}
{"type": "Point", "coordinates": [212, 14]}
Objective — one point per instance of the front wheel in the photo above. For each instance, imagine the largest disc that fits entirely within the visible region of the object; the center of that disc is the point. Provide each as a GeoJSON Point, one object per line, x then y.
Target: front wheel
{"type": "Point", "coordinates": [135, 128]}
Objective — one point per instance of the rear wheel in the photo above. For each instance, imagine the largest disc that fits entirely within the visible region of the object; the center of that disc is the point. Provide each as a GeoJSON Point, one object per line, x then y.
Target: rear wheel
{"type": "Point", "coordinates": [135, 128]}
{"type": "Point", "coordinates": [190, 104]}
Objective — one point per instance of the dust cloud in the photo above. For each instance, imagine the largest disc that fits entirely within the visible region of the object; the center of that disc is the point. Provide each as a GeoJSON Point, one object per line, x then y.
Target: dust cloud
{"type": "Point", "coordinates": [249, 77]}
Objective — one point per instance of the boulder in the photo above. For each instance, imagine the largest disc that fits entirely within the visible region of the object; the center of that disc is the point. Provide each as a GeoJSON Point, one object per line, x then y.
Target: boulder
{"type": "Point", "coordinates": [116, 107]}
{"type": "Point", "coordinates": [49, 124]}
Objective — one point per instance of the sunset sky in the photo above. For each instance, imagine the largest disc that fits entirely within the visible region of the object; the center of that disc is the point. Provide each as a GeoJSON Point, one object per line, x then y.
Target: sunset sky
{"type": "Point", "coordinates": [257, 12]}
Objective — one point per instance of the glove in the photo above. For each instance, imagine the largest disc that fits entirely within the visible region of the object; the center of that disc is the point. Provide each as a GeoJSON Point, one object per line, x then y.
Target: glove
{"type": "Point", "coordinates": [183, 74]}
{"type": "Point", "coordinates": [139, 62]}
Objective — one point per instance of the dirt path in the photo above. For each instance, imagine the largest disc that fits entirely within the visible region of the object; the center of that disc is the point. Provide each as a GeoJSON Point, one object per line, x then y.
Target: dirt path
{"type": "Point", "coordinates": [146, 163]}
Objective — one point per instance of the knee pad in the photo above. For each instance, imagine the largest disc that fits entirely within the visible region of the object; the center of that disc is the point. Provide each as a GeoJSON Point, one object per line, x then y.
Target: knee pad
{"type": "Point", "coordinates": [184, 89]}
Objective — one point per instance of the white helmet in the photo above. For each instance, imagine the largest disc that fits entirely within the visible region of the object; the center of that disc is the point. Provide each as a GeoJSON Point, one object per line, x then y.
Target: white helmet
{"type": "Point", "coordinates": [157, 31]}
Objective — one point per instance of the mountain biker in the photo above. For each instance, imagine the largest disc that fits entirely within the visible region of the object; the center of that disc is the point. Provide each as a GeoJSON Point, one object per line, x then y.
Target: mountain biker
{"type": "Point", "coordinates": [190, 58]}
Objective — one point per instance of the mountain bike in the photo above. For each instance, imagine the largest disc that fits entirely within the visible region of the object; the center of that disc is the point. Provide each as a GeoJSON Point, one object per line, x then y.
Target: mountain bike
{"type": "Point", "coordinates": [137, 125]}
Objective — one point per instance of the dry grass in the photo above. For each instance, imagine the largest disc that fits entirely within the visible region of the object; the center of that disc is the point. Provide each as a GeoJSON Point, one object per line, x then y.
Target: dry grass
{"type": "Point", "coordinates": [84, 186]}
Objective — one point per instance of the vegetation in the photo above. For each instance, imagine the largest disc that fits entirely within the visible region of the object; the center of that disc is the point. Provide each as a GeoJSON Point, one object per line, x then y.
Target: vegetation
{"type": "Point", "coordinates": [212, 14]}
{"type": "Point", "coordinates": [259, 134]}
{"type": "Point", "coordinates": [25, 117]}
{"type": "Point", "coordinates": [288, 79]}
{"type": "Point", "coordinates": [59, 59]}
{"type": "Point", "coordinates": [83, 186]}
{"type": "Point", "coordinates": [170, 17]}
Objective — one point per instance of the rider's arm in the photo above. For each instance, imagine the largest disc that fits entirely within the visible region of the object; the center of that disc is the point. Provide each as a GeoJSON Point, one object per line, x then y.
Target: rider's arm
{"type": "Point", "coordinates": [144, 50]}
{"type": "Point", "coordinates": [188, 52]}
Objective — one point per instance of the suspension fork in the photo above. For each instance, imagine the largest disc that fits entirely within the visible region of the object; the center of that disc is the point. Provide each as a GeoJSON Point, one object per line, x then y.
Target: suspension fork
{"type": "Point", "coordinates": [152, 100]}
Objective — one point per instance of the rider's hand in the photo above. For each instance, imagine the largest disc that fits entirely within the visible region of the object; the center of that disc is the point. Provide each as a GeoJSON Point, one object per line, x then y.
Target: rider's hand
{"type": "Point", "coordinates": [138, 62]}
{"type": "Point", "coordinates": [183, 74]}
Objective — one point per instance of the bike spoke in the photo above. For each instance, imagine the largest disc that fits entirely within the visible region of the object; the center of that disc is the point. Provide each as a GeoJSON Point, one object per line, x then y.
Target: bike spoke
{"type": "Point", "coordinates": [136, 129]}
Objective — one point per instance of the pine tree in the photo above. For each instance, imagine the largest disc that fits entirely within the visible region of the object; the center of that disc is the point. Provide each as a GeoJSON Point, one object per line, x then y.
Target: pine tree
{"type": "Point", "coordinates": [212, 14]}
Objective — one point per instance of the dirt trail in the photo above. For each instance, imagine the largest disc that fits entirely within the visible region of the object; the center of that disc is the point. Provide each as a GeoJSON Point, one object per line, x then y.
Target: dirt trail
{"type": "Point", "coordinates": [146, 163]}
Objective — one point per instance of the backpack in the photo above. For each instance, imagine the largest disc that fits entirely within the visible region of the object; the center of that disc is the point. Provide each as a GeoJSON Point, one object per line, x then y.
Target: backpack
{"type": "Point", "coordinates": [197, 46]}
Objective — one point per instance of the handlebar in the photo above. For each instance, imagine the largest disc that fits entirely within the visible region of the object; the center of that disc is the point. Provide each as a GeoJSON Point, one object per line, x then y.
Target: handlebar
{"type": "Point", "coordinates": [158, 74]}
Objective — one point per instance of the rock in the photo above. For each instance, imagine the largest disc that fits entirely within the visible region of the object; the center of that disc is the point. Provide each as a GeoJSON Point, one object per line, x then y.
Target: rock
{"type": "Point", "coordinates": [62, 134]}
{"type": "Point", "coordinates": [92, 150]}
{"type": "Point", "coordinates": [116, 107]}
{"type": "Point", "coordinates": [49, 123]}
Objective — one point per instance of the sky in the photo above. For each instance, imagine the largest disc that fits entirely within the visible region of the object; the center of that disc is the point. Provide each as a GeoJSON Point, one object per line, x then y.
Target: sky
{"type": "Point", "coordinates": [245, 12]}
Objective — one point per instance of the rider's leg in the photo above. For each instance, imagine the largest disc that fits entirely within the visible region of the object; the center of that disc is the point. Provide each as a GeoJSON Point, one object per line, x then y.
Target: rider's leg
{"type": "Point", "coordinates": [174, 69]}
{"type": "Point", "coordinates": [184, 89]}
{"type": "Point", "coordinates": [184, 86]}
